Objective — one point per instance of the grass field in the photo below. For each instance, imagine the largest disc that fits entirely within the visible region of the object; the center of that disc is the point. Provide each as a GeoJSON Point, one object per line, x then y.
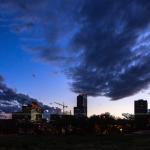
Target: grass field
{"type": "Point", "coordinates": [126, 142]}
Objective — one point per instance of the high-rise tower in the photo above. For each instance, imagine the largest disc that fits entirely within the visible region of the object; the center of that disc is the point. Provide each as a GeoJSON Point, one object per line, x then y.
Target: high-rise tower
{"type": "Point", "coordinates": [81, 109]}
{"type": "Point", "coordinates": [141, 113]}
{"type": "Point", "coordinates": [140, 107]}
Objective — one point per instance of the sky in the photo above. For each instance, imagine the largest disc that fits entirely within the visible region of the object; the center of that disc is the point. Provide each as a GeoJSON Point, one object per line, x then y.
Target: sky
{"type": "Point", "coordinates": [54, 50]}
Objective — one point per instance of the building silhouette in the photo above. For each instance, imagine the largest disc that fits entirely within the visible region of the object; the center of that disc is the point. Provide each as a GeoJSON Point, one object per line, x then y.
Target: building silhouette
{"type": "Point", "coordinates": [36, 112]}
{"type": "Point", "coordinates": [141, 113]}
{"type": "Point", "coordinates": [81, 109]}
{"type": "Point", "coordinates": [140, 107]}
{"type": "Point", "coordinates": [31, 112]}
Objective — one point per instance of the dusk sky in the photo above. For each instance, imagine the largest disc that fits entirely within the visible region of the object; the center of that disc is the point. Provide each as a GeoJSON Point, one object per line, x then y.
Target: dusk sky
{"type": "Point", "coordinates": [52, 50]}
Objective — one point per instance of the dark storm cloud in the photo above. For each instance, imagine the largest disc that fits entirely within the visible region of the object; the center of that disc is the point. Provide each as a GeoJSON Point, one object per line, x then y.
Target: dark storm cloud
{"type": "Point", "coordinates": [11, 101]}
{"type": "Point", "coordinates": [104, 44]}
{"type": "Point", "coordinates": [111, 64]}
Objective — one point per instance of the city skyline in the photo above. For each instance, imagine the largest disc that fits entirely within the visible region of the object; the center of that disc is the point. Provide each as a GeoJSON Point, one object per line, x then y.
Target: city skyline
{"type": "Point", "coordinates": [38, 54]}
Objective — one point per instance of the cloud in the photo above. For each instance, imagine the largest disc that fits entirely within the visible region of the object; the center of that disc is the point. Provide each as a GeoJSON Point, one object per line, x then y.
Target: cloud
{"type": "Point", "coordinates": [111, 65]}
{"type": "Point", "coordinates": [11, 101]}
{"type": "Point", "coordinates": [103, 46]}
{"type": "Point", "coordinates": [1, 78]}
{"type": "Point", "coordinates": [52, 20]}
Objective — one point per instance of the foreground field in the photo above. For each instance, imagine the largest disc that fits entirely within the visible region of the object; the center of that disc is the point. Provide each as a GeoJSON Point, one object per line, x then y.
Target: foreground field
{"type": "Point", "coordinates": [126, 142]}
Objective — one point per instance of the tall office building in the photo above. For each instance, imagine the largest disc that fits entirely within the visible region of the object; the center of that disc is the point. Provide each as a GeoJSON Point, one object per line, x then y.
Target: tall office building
{"type": "Point", "coordinates": [141, 113]}
{"type": "Point", "coordinates": [81, 109]}
{"type": "Point", "coordinates": [140, 107]}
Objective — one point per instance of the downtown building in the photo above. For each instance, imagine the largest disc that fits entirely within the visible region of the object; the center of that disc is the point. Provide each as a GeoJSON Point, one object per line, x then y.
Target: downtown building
{"type": "Point", "coordinates": [81, 109]}
{"type": "Point", "coordinates": [141, 114]}
{"type": "Point", "coordinates": [31, 112]}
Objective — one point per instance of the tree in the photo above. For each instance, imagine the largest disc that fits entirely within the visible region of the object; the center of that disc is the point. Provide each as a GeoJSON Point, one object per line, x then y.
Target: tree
{"type": "Point", "coordinates": [128, 116]}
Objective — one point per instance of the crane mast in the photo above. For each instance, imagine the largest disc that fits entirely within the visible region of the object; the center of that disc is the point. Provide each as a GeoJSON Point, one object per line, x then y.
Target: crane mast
{"type": "Point", "coordinates": [63, 106]}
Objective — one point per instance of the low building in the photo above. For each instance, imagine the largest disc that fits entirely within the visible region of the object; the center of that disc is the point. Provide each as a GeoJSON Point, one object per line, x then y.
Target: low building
{"type": "Point", "coordinates": [29, 112]}
{"type": "Point", "coordinates": [36, 112]}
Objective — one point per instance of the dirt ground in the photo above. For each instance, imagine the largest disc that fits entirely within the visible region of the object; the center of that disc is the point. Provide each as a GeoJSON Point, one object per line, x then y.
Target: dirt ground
{"type": "Point", "coordinates": [120, 142]}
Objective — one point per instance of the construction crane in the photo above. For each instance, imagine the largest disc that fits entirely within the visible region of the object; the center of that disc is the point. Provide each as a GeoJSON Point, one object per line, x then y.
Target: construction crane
{"type": "Point", "coordinates": [63, 105]}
